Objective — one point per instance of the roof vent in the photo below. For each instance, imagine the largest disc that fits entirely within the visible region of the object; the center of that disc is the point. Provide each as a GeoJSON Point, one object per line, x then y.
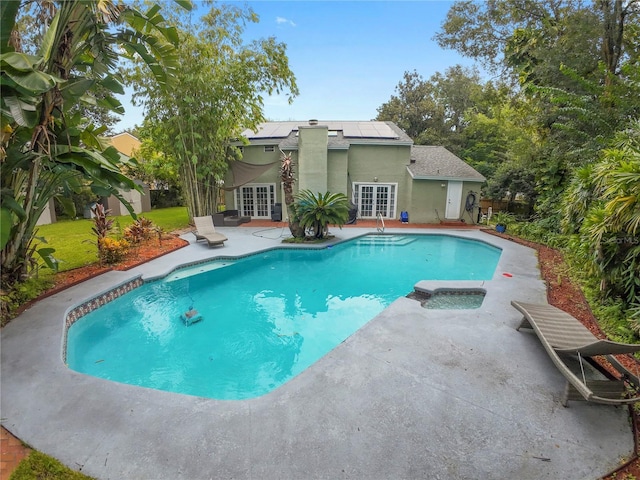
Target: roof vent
{"type": "Point", "coordinates": [313, 121]}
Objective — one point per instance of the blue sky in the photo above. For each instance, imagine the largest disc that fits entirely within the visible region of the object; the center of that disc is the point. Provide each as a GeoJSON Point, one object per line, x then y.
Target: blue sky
{"type": "Point", "coordinates": [347, 56]}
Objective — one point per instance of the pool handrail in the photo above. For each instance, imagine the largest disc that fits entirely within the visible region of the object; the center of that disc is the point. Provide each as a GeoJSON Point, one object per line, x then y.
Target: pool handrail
{"type": "Point", "coordinates": [379, 220]}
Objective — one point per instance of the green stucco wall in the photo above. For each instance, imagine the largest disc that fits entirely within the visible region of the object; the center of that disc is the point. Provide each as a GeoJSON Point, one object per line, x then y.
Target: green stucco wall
{"type": "Point", "coordinates": [430, 195]}
{"type": "Point", "coordinates": [312, 158]}
{"type": "Point", "coordinates": [383, 164]}
{"type": "Point", "coordinates": [337, 169]}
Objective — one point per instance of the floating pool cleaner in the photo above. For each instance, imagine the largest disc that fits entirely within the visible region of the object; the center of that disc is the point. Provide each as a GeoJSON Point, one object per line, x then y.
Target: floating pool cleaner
{"type": "Point", "coordinates": [191, 316]}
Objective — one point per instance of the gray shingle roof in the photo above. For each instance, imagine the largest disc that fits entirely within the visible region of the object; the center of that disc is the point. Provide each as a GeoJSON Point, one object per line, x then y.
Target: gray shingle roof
{"type": "Point", "coordinates": [429, 162]}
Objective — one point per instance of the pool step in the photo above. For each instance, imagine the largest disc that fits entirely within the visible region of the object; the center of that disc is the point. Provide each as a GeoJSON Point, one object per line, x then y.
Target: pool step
{"type": "Point", "coordinates": [196, 269]}
{"type": "Point", "coordinates": [387, 240]}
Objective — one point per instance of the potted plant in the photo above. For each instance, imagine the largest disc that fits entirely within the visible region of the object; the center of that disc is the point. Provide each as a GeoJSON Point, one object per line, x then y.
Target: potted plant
{"type": "Point", "coordinates": [502, 220]}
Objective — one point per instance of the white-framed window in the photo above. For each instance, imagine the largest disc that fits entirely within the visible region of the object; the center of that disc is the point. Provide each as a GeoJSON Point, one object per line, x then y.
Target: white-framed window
{"type": "Point", "coordinates": [255, 199]}
{"type": "Point", "coordinates": [269, 148]}
{"type": "Point", "coordinates": [374, 198]}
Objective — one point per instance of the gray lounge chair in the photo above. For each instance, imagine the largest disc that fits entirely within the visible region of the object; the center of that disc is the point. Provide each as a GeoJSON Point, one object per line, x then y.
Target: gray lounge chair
{"type": "Point", "coordinates": [567, 341]}
{"type": "Point", "coordinates": [205, 230]}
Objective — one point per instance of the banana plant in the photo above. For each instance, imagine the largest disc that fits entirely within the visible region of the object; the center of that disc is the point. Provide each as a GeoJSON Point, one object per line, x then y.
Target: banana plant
{"type": "Point", "coordinates": [47, 148]}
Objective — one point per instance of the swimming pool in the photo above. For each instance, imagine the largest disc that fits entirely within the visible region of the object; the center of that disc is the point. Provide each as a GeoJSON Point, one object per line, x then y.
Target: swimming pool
{"type": "Point", "coordinates": [265, 317]}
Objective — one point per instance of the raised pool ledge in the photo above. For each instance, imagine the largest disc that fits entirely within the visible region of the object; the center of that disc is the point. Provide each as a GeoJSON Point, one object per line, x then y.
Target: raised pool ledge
{"type": "Point", "coordinates": [435, 286]}
{"type": "Point", "coordinates": [449, 294]}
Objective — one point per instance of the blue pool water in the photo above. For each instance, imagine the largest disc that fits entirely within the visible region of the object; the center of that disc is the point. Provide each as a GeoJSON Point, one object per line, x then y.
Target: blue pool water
{"type": "Point", "coordinates": [266, 317]}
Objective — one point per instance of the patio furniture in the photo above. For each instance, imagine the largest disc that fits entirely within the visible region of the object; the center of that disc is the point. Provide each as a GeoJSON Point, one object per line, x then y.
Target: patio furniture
{"type": "Point", "coordinates": [205, 230]}
{"type": "Point", "coordinates": [569, 344]}
{"type": "Point", "coordinates": [229, 218]}
{"type": "Point", "coordinates": [276, 212]}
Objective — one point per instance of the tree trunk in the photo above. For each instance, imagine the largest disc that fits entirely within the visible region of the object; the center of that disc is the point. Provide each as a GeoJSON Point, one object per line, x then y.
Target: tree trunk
{"type": "Point", "coordinates": [294, 224]}
{"type": "Point", "coordinates": [287, 178]}
{"type": "Point", "coordinates": [614, 15]}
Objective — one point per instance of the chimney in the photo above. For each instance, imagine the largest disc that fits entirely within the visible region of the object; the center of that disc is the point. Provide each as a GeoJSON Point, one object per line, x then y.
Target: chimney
{"type": "Point", "coordinates": [313, 121]}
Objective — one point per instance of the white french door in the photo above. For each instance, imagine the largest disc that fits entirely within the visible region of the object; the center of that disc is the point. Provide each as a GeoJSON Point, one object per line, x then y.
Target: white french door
{"type": "Point", "coordinates": [255, 200]}
{"type": "Point", "coordinates": [375, 198]}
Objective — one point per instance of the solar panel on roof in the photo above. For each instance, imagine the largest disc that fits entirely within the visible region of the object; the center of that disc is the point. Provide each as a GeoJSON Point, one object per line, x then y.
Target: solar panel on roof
{"type": "Point", "coordinates": [349, 129]}
{"type": "Point", "coordinates": [368, 130]}
{"type": "Point", "coordinates": [271, 130]}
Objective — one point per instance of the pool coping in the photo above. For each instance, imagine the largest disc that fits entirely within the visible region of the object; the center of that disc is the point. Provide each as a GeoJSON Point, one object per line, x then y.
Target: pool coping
{"type": "Point", "coordinates": [457, 394]}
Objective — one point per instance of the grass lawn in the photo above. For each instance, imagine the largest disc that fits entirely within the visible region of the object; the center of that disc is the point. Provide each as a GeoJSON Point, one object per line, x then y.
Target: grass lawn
{"type": "Point", "coordinates": [75, 243]}
{"type": "Point", "coordinates": [42, 467]}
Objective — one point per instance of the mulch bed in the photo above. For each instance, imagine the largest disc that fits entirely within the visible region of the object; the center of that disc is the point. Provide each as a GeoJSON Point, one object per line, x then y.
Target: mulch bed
{"type": "Point", "coordinates": [137, 256]}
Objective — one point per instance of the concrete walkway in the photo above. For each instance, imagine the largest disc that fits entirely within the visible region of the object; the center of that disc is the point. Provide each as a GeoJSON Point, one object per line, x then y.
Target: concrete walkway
{"type": "Point", "coordinates": [415, 393]}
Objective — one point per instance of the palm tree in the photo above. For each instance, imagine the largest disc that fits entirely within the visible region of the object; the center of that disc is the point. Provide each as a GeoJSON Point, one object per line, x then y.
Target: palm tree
{"type": "Point", "coordinates": [316, 212]}
{"type": "Point", "coordinates": [612, 228]}
{"type": "Point", "coordinates": [578, 198]}
{"type": "Point", "coordinates": [47, 149]}
{"type": "Point", "coordinates": [288, 178]}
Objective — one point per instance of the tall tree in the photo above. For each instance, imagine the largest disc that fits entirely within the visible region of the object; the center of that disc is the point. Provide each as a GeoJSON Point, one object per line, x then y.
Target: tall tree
{"type": "Point", "coordinates": [47, 147]}
{"type": "Point", "coordinates": [615, 16]}
{"type": "Point", "coordinates": [575, 60]}
{"type": "Point", "coordinates": [527, 39]}
{"type": "Point", "coordinates": [498, 131]}
{"type": "Point", "coordinates": [432, 111]}
{"type": "Point", "coordinates": [218, 96]}
{"type": "Point", "coordinates": [532, 39]}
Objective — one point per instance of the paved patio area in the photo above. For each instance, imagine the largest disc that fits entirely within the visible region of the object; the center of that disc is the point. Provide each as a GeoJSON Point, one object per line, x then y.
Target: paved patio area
{"type": "Point", "coordinates": [415, 393]}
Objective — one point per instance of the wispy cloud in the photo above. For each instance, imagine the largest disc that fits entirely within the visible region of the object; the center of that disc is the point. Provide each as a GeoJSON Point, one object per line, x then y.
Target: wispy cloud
{"type": "Point", "coordinates": [282, 20]}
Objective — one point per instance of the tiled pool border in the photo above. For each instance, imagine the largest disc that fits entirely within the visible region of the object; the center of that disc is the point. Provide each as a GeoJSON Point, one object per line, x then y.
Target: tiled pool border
{"type": "Point", "coordinates": [76, 312]}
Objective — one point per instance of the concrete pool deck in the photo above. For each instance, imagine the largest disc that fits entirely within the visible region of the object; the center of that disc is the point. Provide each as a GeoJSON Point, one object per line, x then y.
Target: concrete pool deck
{"type": "Point", "coordinates": [415, 393]}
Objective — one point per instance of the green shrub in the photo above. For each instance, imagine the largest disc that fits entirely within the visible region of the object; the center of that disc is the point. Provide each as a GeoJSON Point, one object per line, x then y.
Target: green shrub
{"type": "Point", "coordinates": [140, 230]}
{"type": "Point", "coordinates": [20, 294]}
{"type": "Point", "coordinates": [166, 198]}
{"type": "Point", "coordinates": [503, 218]}
{"type": "Point", "coordinates": [112, 250]}
{"type": "Point", "coordinates": [537, 231]}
